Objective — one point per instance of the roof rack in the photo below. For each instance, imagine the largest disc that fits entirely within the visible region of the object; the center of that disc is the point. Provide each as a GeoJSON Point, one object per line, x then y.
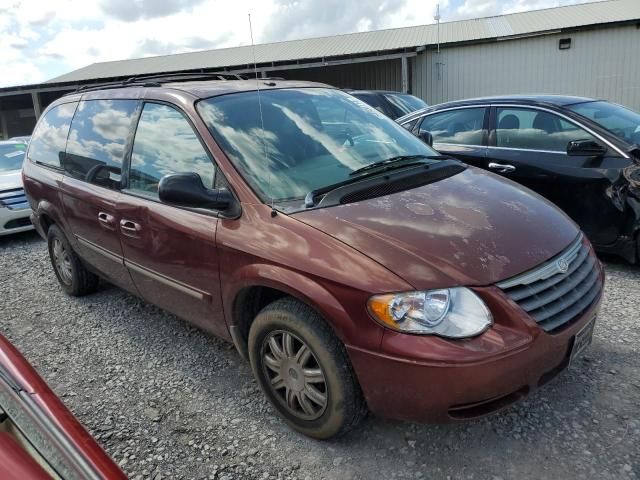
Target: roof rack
{"type": "Point", "coordinates": [156, 80]}
{"type": "Point", "coordinates": [172, 77]}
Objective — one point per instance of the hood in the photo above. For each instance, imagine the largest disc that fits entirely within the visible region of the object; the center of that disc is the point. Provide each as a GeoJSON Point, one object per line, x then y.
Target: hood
{"type": "Point", "coordinates": [474, 228]}
{"type": "Point", "coordinates": [10, 180]}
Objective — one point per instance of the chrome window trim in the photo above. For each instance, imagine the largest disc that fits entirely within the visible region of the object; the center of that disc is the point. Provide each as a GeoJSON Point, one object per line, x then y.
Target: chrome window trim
{"type": "Point", "coordinates": [563, 116]}
{"type": "Point", "coordinates": [555, 152]}
{"type": "Point", "coordinates": [546, 270]}
{"type": "Point", "coordinates": [533, 107]}
{"type": "Point", "coordinates": [421, 115]}
{"type": "Point", "coordinates": [459, 145]}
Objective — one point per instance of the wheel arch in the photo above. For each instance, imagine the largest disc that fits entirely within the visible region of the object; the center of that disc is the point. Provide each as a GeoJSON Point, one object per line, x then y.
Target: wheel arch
{"type": "Point", "coordinates": [47, 214]}
{"type": "Point", "coordinates": [264, 284]}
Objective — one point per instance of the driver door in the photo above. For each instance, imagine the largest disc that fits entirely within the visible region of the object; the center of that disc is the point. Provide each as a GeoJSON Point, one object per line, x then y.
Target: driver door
{"type": "Point", "coordinates": [170, 251]}
{"type": "Point", "coordinates": [529, 146]}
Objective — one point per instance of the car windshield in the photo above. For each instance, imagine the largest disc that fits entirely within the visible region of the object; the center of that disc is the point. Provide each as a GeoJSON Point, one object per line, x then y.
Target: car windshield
{"type": "Point", "coordinates": [313, 137]}
{"type": "Point", "coordinates": [11, 156]}
{"type": "Point", "coordinates": [620, 121]}
{"type": "Point", "coordinates": [405, 103]}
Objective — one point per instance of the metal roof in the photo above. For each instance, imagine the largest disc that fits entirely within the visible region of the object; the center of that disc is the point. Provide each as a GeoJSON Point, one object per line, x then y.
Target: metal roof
{"type": "Point", "coordinates": [504, 26]}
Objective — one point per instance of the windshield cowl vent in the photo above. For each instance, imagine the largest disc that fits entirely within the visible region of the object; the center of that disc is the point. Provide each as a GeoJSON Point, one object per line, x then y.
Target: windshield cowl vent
{"type": "Point", "coordinates": [398, 185]}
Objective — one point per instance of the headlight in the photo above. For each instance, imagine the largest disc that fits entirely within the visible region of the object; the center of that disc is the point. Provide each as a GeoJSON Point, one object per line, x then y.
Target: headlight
{"type": "Point", "coordinates": [451, 312]}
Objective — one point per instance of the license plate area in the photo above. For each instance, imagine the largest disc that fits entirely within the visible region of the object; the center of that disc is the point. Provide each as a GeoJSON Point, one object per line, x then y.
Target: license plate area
{"type": "Point", "coordinates": [582, 340]}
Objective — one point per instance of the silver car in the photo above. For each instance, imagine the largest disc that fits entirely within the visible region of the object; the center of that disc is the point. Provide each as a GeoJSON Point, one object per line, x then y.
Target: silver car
{"type": "Point", "coordinates": [14, 208]}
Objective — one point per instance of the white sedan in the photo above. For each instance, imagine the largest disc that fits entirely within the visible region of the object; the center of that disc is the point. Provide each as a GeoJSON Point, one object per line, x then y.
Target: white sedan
{"type": "Point", "coordinates": [14, 207]}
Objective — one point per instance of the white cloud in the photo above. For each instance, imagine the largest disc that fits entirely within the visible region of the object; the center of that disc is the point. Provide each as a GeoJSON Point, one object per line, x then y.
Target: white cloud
{"type": "Point", "coordinates": [46, 38]}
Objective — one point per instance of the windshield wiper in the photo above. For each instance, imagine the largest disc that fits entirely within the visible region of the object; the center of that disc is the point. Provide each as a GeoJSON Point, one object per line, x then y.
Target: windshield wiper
{"type": "Point", "coordinates": [374, 168]}
{"type": "Point", "coordinates": [394, 162]}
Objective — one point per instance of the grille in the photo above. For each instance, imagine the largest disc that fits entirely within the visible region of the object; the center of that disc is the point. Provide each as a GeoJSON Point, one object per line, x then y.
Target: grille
{"type": "Point", "coordinates": [17, 223]}
{"type": "Point", "coordinates": [402, 184]}
{"type": "Point", "coordinates": [14, 199]}
{"type": "Point", "coordinates": [558, 291]}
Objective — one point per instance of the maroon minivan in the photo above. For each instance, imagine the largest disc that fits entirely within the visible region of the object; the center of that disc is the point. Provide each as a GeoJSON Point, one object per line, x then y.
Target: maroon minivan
{"type": "Point", "coordinates": [353, 266]}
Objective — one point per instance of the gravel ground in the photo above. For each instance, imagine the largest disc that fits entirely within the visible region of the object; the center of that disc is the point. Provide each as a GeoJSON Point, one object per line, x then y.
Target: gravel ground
{"type": "Point", "coordinates": [168, 401]}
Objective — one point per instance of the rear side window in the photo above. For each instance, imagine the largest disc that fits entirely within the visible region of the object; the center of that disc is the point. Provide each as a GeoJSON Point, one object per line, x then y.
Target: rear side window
{"type": "Point", "coordinates": [531, 129]}
{"type": "Point", "coordinates": [457, 127]}
{"type": "Point", "coordinates": [404, 103]}
{"type": "Point", "coordinates": [97, 140]}
{"type": "Point", "coordinates": [373, 100]}
{"type": "Point", "coordinates": [50, 136]}
{"type": "Point", "coordinates": [165, 143]}
{"type": "Point", "coordinates": [410, 125]}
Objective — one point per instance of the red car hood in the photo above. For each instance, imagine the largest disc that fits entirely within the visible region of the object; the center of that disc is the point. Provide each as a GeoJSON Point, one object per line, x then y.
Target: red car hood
{"type": "Point", "coordinates": [474, 228]}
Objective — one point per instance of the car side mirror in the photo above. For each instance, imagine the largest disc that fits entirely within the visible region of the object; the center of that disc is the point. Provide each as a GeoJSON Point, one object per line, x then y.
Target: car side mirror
{"type": "Point", "coordinates": [426, 137]}
{"type": "Point", "coordinates": [187, 190]}
{"type": "Point", "coordinates": [585, 148]}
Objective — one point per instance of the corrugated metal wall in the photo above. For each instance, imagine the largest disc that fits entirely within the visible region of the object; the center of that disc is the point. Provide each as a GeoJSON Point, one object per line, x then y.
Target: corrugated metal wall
{"type": "Point", "coordinates": [600, 63]}
{"type": "Point", "coordinates": [380, 75]}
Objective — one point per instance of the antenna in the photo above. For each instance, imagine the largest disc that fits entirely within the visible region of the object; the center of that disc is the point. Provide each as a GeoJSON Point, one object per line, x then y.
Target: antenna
{"type": "Point", "coordinates": [264, 142]}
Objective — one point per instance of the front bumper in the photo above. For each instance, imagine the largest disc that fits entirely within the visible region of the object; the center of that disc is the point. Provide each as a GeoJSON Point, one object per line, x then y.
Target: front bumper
{"type": "Point", "coordinates": [429, 379]}
{"type": "Point", "coordinates": [14, 221]}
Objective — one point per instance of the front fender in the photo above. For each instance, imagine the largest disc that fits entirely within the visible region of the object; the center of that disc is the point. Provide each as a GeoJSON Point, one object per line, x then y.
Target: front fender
{"type": "Point", "coordinates": [351, 322]}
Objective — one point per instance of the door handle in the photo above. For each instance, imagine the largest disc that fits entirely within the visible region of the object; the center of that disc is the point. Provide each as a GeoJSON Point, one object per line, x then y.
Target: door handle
{"type": "Point", "coordinates": [502, 168]}
{"type": "Point", "coordinates": [129, 227]}
{"type": "Point", "coordinates": [106, 220]}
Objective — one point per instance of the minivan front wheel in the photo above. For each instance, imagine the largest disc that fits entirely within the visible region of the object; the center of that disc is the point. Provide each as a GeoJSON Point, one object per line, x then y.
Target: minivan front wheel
{"type": "Point", "coordinates": [74, 278]}
{"type": "Point", "coordinates": [304, 371]}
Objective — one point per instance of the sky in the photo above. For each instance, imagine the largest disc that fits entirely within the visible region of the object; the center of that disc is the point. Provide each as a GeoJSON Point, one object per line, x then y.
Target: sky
{"type": "Point", "coordinates": [42, 39]}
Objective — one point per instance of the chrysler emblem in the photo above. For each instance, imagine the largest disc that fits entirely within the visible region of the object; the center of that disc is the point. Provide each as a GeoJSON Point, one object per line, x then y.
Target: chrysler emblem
{"type": "Point", "coordinates": [563, 265]}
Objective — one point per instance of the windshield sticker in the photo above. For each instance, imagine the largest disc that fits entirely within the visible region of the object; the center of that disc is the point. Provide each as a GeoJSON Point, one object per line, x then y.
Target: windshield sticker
{"type": "Point", "coordinates": [13, 154]}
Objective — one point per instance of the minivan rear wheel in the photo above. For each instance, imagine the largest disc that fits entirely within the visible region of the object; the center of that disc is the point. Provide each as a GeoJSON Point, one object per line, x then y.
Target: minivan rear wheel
{"type": "Point", "coordinates": [74, 278]}
{"type": "Point", "coordinates": [304, 370]}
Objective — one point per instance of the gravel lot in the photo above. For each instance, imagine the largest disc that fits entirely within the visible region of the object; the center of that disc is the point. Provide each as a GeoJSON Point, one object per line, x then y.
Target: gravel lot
{"type": "Point", "coordinates": [168, 401]}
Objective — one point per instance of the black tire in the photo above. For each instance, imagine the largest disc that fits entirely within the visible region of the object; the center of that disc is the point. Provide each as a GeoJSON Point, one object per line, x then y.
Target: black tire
{"type": "Point", "coordinates": [344, 406]}
{"type": "Point", "coordinates": [74, 278]}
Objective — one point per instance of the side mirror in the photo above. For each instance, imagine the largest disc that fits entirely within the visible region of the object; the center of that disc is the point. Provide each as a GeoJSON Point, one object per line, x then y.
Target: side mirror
{"type": "Point", "coordinates": [426, 137]}
{"type": "Point", "coordinates": [187, 190]}
{"type": "Point", "coordinates": [585, 148]}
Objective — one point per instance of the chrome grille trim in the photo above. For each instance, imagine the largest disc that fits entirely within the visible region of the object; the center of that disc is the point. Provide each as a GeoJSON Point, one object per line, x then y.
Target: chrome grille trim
{"type": "Point", "coordinates": [14, 199]}
{"type": "Point", "coordinates": [552, 296]}
{"type": "Point", "coordinates": [546, 270]}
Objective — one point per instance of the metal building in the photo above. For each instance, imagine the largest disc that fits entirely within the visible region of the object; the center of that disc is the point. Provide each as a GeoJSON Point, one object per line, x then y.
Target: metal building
{"type": "Point", "coordinates": [589, 49]}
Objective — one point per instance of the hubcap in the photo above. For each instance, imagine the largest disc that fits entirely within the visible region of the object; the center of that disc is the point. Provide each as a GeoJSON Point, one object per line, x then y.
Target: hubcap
{"type": "Point", "coordinates": [61, 261]}
{"type": "Point", "coordinates": [294, 375]}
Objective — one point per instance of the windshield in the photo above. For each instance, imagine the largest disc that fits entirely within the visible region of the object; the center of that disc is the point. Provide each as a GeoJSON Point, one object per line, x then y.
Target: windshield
{"type": "Point", "coordinates": [313, 137]}
{"type": "Point", "coordinates": [405, 103]}
{"type": "Point", "coordinates": [11, 156]}
{"type": "Point", "coordinates": [620, 121]}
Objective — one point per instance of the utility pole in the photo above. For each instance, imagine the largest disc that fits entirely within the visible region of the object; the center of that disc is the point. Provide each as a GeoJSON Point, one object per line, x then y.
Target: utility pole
{"type": "Point", "coordinates": [439, 63]}
{"type": "Point", "coordinates": [437, 19]}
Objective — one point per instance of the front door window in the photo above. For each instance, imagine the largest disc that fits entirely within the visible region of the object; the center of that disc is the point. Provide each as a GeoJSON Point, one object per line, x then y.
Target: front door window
{"type": "Point", "coordinates": [532, 129]}
{"type": "Point", "coordinates": [165, 143]}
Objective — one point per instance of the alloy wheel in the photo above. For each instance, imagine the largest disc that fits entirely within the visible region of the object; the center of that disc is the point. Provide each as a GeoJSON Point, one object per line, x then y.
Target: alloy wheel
{"type": "Point", "coordinates": [294, 375]}
{"type": "Point", "coordinates": [61, 261]}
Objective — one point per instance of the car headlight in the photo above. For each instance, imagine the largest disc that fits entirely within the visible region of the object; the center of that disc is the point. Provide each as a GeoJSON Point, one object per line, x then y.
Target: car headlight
{"type": "Point", "coordinates": [449, 312]}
